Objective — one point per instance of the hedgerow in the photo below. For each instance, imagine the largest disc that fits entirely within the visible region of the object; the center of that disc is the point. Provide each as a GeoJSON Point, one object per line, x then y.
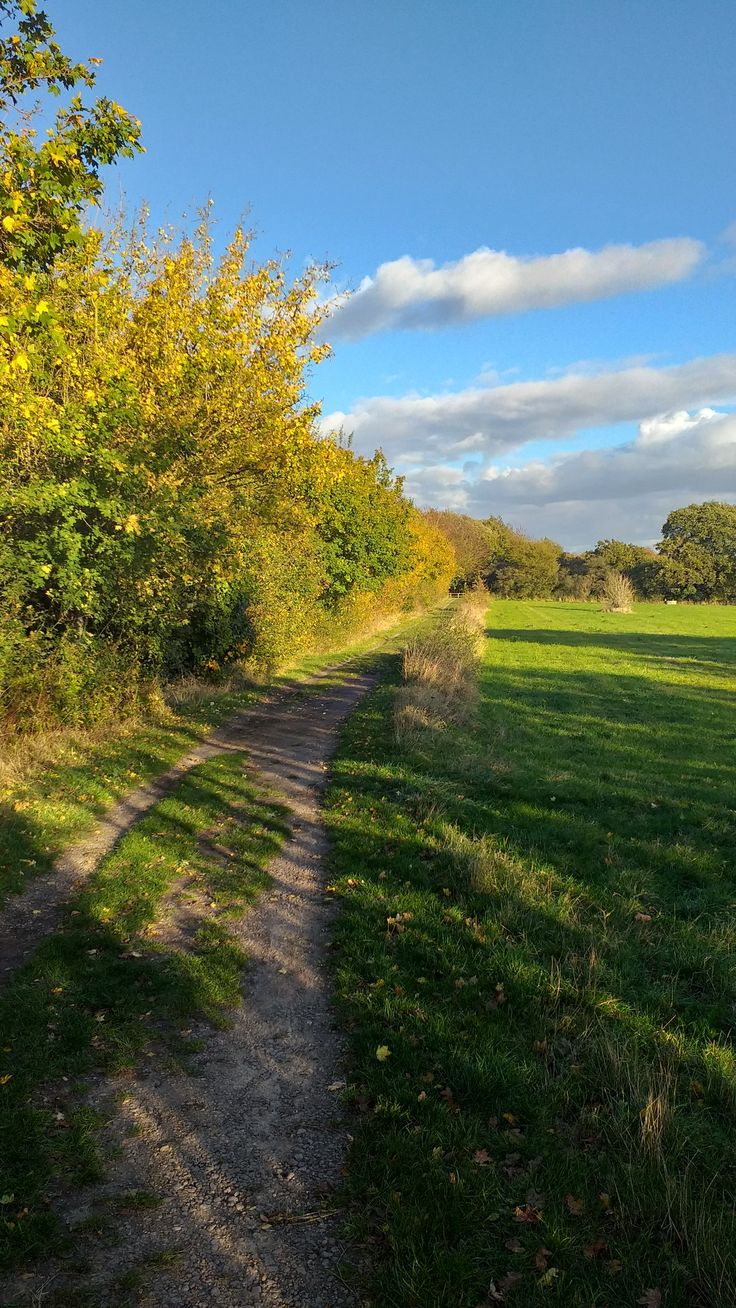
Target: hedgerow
{"type": "Point", "coordinates": [168, 501]}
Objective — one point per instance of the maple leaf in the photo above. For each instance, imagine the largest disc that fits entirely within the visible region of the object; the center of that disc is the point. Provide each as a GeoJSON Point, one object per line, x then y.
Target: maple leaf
{"type": "Point", "coordinates": [382, 1053]}
{"type": "Point", "coordinates": [541, 1259]}
{"type": "Point", "coordinates": [514, 1246]}
{"type": "Point", "coordinates": [482, 1157]}
{"type": "Point", "coordinates": [596, 1250]}
{"type": "Point", "coordinates": [651, 1298]}
{"type": "Point", "coordinates": [573, 1205]}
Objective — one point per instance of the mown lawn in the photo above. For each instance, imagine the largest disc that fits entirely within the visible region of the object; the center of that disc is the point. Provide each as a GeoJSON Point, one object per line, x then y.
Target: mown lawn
{"type": "Point", "coordinates": [535, 960]}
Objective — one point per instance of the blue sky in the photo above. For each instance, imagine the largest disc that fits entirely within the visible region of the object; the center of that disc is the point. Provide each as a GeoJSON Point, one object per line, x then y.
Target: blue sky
{"type": "Point", "coordinates": [372, 131]}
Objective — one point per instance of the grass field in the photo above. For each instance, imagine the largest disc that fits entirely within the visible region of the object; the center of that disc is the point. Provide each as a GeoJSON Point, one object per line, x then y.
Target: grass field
{"type": "Point", "coordinates": [535, 960]}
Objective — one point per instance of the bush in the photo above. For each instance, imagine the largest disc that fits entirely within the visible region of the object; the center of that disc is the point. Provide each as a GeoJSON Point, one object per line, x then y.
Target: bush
{"type": "Point", "coordinates": [618, 593]}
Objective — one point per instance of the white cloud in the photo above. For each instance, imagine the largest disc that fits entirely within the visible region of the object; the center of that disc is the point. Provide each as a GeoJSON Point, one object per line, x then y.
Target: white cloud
{"type": "Point", "coordinates": [409, 293]}
{"type": "Point", "coordinates": [447, 444]}
{"type": "Point", "coordinates": [699, 452]}
{"type": "Point", "coordinates": [667, 426]}
{"type": "Point", "coordinates": [497, 419]}
{"type": "Point", "coordinates": [626, 491]}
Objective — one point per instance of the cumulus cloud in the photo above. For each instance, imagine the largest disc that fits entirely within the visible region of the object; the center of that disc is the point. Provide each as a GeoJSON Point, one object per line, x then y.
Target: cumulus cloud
{"type": "Point", "coordinates": [407, 293]}
{"type": "Point", "coordinates": [495, 420]}
{"type": "Point", "coordinates": [626, 491]}
{"type": "Point", "coordinates": [697, 451]}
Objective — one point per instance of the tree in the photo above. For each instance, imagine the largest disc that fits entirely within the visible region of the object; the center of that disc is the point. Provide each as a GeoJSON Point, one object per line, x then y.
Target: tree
{"type": "Point", "coordinates": [45, 187]}
{"type": "Point", "coordinates": [471, 542]}
{"type": "Point", "coordinates": [522, 568]}
{"type": "Point", "coordinates": [698, 552]}
{"type": "Point", "coordinates": [636, 562]}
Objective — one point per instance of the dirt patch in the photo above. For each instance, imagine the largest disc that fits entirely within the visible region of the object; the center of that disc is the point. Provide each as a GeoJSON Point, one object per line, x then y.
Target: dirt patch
{"type": "Point", "coordinates": [219, 1181]}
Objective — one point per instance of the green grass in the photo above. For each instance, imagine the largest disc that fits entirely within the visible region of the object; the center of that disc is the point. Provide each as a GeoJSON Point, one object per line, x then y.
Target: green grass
{"type": "Point", "coordinates": [558, 998]}
{"type": "Point", "coordinates": [113, 984]}
{"type": "Point", "coordinates": [53, 788]}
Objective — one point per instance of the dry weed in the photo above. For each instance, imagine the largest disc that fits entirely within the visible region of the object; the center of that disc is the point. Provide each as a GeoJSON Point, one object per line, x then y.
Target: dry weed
{"type": "Point", "coordinates": [618, 593]}
{"type": "Point", "coordinates": [439, 671]}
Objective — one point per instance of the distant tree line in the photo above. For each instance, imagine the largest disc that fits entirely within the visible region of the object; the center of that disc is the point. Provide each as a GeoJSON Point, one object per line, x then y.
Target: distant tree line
{"type": "Point", "coordinates": [694, 560]}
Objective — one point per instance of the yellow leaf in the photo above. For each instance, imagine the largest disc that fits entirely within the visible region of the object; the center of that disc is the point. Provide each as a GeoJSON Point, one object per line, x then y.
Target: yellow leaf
{"type": "Point", "coordinates": [132, 525]}
{"type": "Point", "coordinates": [4, 1079]}
{"type": "Point", "coordinates": [382, 1053]}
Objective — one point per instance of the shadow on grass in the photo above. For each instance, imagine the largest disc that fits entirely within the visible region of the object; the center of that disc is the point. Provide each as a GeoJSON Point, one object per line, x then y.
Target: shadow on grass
{"type": "Point", "coordinates": [667, 647]}
{"type": "Point", "coordinates": [58, 805]}
{"type": "Point", "coordinates": [539, 932]}
{"type": "Point", "coordinates": [85, 1001]}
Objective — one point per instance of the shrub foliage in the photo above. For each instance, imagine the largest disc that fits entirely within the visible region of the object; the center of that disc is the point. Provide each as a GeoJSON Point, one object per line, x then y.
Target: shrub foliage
{"type": "Point", "coordinates": [167, 503]}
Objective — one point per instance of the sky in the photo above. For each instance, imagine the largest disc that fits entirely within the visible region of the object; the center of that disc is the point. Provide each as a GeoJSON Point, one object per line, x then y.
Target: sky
{"type": "Point", "coordinates": [532, 203]}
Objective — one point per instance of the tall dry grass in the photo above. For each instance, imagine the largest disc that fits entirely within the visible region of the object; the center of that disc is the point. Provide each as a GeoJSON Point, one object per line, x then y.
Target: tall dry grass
{"type": "Point", "coordinates": [439, 672]}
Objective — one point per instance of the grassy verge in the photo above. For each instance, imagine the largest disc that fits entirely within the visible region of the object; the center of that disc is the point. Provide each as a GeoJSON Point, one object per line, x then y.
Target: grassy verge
{"type": "Point", "coordinates": [534, 957]}
{"type": "Point", "coordinates": [52, 787]}
{"type": "Point", "coordinates": [123, 976]}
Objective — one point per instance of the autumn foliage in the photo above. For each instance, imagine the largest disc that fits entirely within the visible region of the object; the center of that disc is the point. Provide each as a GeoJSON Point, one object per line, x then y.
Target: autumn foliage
{"type": "Point", "coordinates": [168, 502]}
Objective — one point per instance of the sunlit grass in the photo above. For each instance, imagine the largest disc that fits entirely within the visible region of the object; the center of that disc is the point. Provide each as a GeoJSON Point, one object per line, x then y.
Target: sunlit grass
{"type": "Point", "coordinates": [538, 922]}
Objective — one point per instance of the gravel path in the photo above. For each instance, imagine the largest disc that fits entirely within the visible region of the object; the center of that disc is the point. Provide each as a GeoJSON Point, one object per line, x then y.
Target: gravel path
{"type": "Point", "coordinates": [245, 1151]}
{"type": "Point", "coordinates": [26, 918]}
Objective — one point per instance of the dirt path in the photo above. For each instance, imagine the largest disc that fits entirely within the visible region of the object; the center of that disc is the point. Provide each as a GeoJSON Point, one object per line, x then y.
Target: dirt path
{"type": "Point", "coordinates": [26, 918]}
{"type": "Point", "coordinates": [244, 1152]}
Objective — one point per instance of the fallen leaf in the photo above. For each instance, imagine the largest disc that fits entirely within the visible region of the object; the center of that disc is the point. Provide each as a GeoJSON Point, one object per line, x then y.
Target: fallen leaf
{"type": "Point", "coordinates": [514, 1246]}
{"type": "Point", "coordinates": [541, 1259]}
{"type": "Point", "coordinates": [527, 1213]}
{"type": "Point", "coordinates": [497, 1293]}
{"type": "Point", "coordinates": [549, 1276]}
{"type": "Point", "coordinates": [382, 1053]}
{"type": "Point", "coordinates": [651, 1298]}
{"type": "Point", "coordinates": [605, 1201]}
{"type": "Point", "coordinates": [642, 917]}
{"type": "Point", "coordinates": [482, 1157]}
{"type": "Point", "coordinates": [573, 1205]}
{"type": "Point", "coordinates": [596, 1250]}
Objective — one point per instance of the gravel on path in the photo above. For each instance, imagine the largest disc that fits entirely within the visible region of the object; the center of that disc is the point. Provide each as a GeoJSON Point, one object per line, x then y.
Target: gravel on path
{"type": "Point", "coordinates": [245, 1152]}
